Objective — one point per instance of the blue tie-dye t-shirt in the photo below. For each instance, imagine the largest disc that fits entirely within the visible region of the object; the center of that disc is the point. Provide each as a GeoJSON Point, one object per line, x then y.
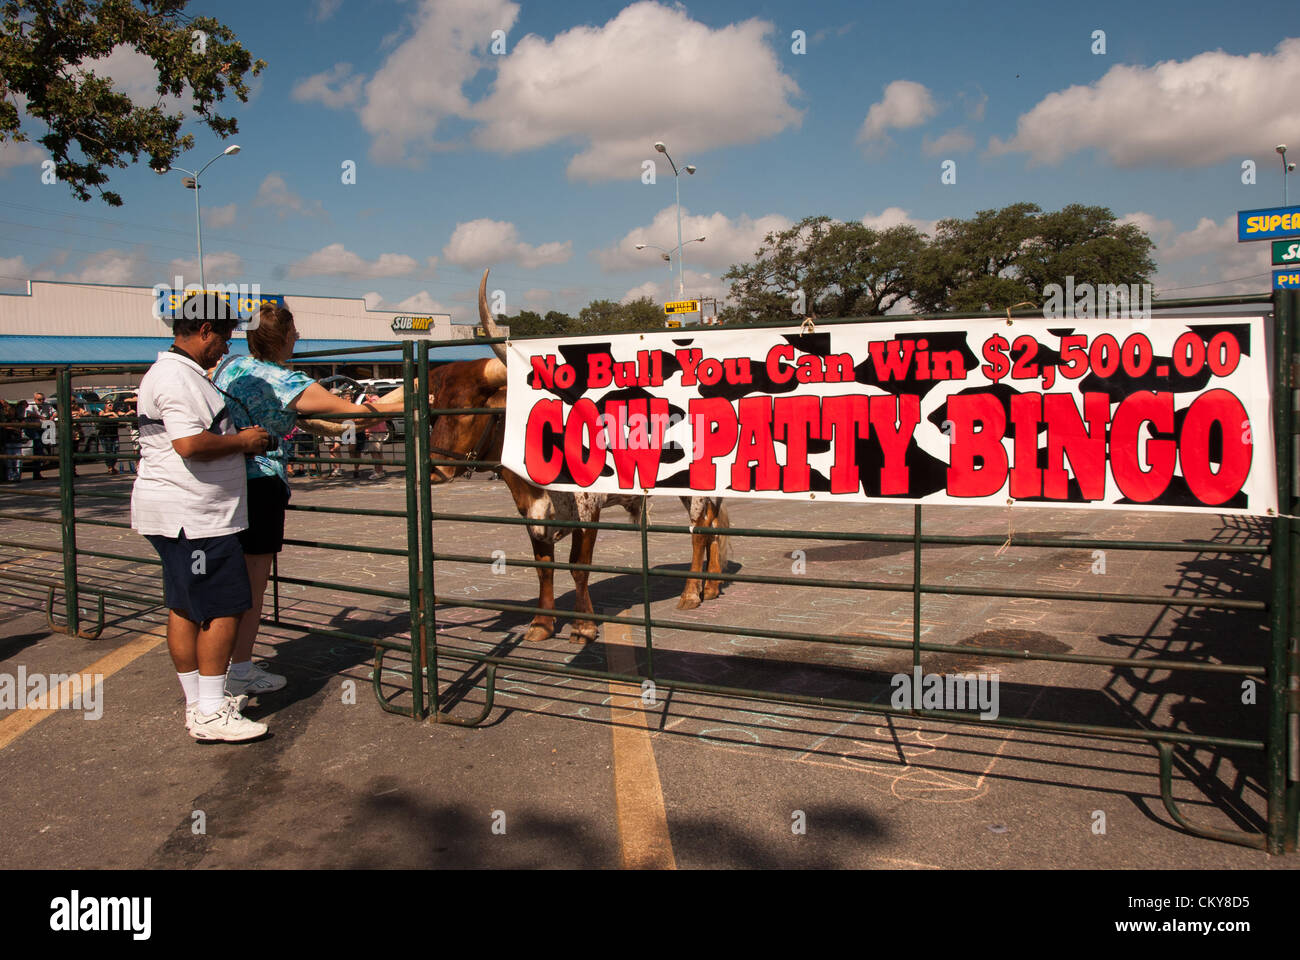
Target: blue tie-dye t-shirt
{"type": "Point", "coordinates": [264, 391]}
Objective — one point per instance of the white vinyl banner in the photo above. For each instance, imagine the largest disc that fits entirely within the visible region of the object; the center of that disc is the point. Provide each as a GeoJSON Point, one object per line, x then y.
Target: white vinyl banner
{"type": "Point", "coordinates": [1149, 414]}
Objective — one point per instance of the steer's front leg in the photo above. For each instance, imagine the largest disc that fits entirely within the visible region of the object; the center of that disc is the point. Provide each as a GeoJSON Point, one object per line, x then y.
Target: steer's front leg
{"type": "Point", "coordinates": [543, 625]}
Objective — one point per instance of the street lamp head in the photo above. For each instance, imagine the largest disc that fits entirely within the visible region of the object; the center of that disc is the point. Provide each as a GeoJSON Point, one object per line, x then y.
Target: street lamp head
{"type": "Point", "coordinates": [231, 150]}
{"type": "Point", "coordinates": [660, 147]}
{"type": "Point", "coordinates": [690, 168]}
{"type": "Point", "coordinates": [666, 257]}
{"type": "Point", "coordinates": [162, 170]}
{"type": "Point", "coordinates": [1281, 148]}
{"type": "Point", "coordinates": [640, 246]}
{"type": "Point", "coordinates": [699, 239]}
{"type": "Point", "coordinates": [1290, 166]}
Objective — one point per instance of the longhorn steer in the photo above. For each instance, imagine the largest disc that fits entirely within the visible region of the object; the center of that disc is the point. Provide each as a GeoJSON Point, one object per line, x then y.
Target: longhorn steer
{"type": "Point", "coordinates": [482, 383]}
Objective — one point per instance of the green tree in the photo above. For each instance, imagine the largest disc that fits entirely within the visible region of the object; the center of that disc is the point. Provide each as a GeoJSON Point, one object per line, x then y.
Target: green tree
{"type": "Point", "coordinates": [1002, 257]}
{"type": "Point", "coordinates": [610, 316]}
{"type": "Point", "coordinates": [841, 270]}
{"type": "Point", "coordinates": [94, 127]}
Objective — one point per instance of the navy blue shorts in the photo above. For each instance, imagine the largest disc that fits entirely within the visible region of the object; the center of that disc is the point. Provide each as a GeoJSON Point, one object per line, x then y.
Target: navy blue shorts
{"type": "Point", "coordinates": [205, 577]}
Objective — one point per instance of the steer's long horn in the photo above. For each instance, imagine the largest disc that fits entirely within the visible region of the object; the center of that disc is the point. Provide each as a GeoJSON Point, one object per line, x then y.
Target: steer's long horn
{"type": "Point", "coordinates": [485, 315]}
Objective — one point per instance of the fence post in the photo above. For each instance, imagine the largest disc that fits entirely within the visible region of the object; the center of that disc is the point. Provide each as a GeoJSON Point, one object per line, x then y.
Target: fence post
{"type": "Point", "coordinates": [67, 506]}
{"type": "Point", "coordinates": [413, 428]}
{"type": "Point", "coordinates": [1280, 566]}
{"type": "Point", "coordinates": [1283, 762]}
{"type": "Point", "coordinates": [430, 618]}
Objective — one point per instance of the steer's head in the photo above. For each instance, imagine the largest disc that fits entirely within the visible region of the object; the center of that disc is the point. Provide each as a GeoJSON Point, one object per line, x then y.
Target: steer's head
{"type": "Point", "coordinates": [470, 383]}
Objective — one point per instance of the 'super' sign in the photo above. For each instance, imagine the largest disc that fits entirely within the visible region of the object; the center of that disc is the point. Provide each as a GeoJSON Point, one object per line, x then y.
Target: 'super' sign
{"type": "Point", "coordinates": [1270, 224]}
{"type": "Point", "coordinates": [1286, 279]}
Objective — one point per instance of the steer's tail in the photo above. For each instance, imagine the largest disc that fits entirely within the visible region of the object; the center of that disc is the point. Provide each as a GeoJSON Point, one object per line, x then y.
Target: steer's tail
{"type": "Point", "coordinates": [723, 522]}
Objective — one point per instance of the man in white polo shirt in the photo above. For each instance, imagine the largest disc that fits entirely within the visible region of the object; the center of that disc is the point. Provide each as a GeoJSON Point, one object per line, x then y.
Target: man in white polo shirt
{"type": "Point", "coordinates": [189, 502]}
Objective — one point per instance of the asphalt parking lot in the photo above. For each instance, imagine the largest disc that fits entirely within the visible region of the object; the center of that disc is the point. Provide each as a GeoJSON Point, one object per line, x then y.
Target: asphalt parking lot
{"type": "Point", "coordinates": [575, 772]}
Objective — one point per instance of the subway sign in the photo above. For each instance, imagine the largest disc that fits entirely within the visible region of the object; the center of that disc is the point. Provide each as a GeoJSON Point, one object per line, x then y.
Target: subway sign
{"type": "Point", "coordinates": [1273, 223]}
{"type": "Point", "coordinates": [416, 325]}
{"type": "Point", "coordinates": [1286, 253]}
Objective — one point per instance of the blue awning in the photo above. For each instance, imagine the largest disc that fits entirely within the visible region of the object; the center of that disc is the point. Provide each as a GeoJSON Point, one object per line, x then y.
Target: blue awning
{"type": "Point", "coordinates": [18, 350]}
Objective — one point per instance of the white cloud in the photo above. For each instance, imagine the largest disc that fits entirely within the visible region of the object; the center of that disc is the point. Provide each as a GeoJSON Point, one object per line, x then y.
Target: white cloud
{"type": "Point", "coordinates": [1190, 113]}
{"type": "Point", "coordinates": [14, 273]}
{"type": "Point", "coordinates": [374, 300]}
{"type": "Point", "coordinates": [275, 192]}
{"type": "Point", "coordinates": [335, 260]}
{"type": "Point", "coordinates": [336, 87]}
{"type": "Point", "coordinates": [109, 266]}
{"type": "Point", "coordinates": [896, 216]}
{"type": "Point", "coordinates": [954, 141]}
{"type": "Point", "coordinates": [726, 241]}
{"type": "Point", "coordinates": [1206, 260]}
{"type": "Point", "coordinates": [482, 243]}
{"type": "Point", "coordinates": [423, 303]}
{"type": "Point", "coordinates": [906, 103]}
{"type": "Point", "coordinates": [135, 75]}
{"type": "Point", "coordinates": [218, 267]}
{"type": "Point", "coordinates": [651, 73]}
{"type": "Point", "coordinates": [654, 291]}
{"type": "Point", "coordinates": [324, 9]}
{"type": "Point", "coordinates": [19, 155]}
{"type": "Point", "coordinates": [219, 217]}
{"type": "Point", "coordinates": [421, 81]}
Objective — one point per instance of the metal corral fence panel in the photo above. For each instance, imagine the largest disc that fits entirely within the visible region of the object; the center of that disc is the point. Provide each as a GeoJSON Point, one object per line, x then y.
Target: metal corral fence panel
{"type": "Point", "coordinates": [1280, 745]}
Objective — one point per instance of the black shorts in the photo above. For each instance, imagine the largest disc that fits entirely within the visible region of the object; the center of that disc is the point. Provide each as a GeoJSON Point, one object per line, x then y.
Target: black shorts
{"type": "Point", "coordinates": [205, 577]}
{"type": "Point", "coordinates": [267, 498]}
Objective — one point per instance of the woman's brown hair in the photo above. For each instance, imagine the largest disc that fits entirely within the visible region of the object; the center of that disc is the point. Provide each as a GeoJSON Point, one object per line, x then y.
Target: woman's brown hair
{"type": "Point", "coordinates": [268, 338]}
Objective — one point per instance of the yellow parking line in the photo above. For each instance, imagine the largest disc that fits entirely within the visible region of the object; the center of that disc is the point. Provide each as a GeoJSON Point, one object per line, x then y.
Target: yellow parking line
{"type": "Point", "coordinates": [20, 721]}
{"type": "Point", "coordinates": [638, 796]}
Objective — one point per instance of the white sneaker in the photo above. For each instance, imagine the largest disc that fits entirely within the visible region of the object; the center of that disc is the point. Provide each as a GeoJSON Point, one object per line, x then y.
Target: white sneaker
{"type": "Point", "coordinates": [258, 681]}
{"type": "Point", "coordinates": [192, 709]}
{"type": "Point", "coordinates": [377, 475]}
{"type": "Point", "coordinates": [226, 724]}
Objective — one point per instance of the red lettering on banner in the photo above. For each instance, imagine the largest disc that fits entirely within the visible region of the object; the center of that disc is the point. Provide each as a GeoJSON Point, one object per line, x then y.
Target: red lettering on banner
{"type": "Point", "coordinates": [846, 419]}
{"type": "Point", "coordinates": [1026, 475]}
{"type": "Point", "coordinates": [689, 359]}
{"type": "Point", "coordinates": [778, 372]}
{"type": "Point", "coordinates": [1066, 437]}
{"type": "Point", "coordinates": [545, 415]}
{"type": "Point", "coordinates": [633, 458]}
{"type": "Point", "coordinates": [754, 445]}
{"type": "Point", "coordinates": [964, 478]}
{"type": "Point", "coordinates": [1223, 408]}
{"type": "Point", "coordinates": [795, 420]}
{"type": "Point", "coordinates": [1138, 485]}
{"type": "Point", "coordinates": [714, 422]}
{"type": "Point", "coordinates": [543, 372]}
{"type": "Point", "coordinates": [895, 420]}
{"type": "Point", "coordinates": [891, 365]}
{"type": "Point", "coordinates": [598, 372]}
{"type": "Point", "coordinates": [584, 419]}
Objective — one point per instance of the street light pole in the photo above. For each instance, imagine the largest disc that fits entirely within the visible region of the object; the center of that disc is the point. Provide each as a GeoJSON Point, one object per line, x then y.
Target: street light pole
{"type": "Point", "coordinates": [677, 184]}
{"type": "Point", "coordinates": [667, 255]}
{"type": "Point", "coordinates": [230, 151]}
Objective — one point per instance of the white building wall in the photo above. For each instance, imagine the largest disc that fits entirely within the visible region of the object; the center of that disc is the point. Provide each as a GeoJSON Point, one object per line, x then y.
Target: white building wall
{"type": "Point", "coordinates": [55, 309]}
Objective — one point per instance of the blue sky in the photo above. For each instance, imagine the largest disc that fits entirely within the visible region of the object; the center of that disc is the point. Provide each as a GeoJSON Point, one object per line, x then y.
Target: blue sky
{"type": "Point", "coordinates": [530, 161]}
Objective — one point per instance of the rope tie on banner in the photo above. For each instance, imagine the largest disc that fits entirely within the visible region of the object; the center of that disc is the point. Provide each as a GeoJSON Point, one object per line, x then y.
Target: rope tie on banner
{"type": "Point", "coordinates": [1011, 530]}
{"type": "Point", "coordinates": [807, 326]}
{"type": "Point", "coordinates": [1022, 303]}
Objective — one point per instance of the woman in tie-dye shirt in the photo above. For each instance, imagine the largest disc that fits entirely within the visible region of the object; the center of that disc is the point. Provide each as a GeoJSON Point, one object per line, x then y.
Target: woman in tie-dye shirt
{"type": "Point", "coordinates": [261, 390]}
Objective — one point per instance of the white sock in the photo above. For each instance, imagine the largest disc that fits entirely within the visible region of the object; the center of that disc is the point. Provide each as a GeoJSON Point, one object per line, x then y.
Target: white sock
{"type": "Point", "coordinates": [212, 693]}
{"type": "Point", "coordinates": [190, 684]}
{"type": "Point", "coordinates": [240, 671]}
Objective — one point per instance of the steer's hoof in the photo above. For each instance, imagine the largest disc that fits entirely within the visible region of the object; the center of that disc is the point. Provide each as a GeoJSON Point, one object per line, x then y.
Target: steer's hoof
{"type": "Point", "coordinates": [536, 634]}
{"type": "Point", "coordinates": [712, 591]}
{"type": "Point", "coordinates": [688, 602]}
{"type": "Point", "coordinates": [583, 632]}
